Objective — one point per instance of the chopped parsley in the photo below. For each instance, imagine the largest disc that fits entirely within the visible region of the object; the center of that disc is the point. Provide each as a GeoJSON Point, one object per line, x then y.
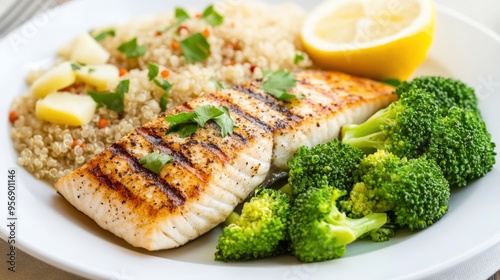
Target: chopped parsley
{"type": "Point", "coordinates": [91, 70]}
{"type": "Point", "coordinates": [155, 161]}
{"type": "Point", "coordinates": [105, 33]}
{"type": "Point", "coordinates": [166, 86]}
{"type": "Point", "coordinates": [211, 16]}
{"type": "Point", "coordinates": [153, 71]}
{"type": "Point", "coordinates": [112, 100]}
{"type": "Point", "coordinates": [298, 58]}
{"type": "Point", "coordinates": [278, 82]}
{"type": "Point", "coordinates": [195, 48]}
{"type": "Point", "coordinates": [131, 50]}
{"type": "Point", "coordinates": [186, 124]}
{"type": "Point", "coordinates": [76, 66]}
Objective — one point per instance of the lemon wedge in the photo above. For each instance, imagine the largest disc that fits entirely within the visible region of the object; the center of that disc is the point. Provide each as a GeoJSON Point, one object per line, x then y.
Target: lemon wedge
{"type": "Point", "coordinates": [66, 108]}
{"type": "Point", "coordinates": [379, 39]}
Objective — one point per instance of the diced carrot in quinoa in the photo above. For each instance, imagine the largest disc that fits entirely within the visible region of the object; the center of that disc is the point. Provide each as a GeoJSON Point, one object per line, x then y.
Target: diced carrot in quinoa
{"type": "Point", "coordinates": [165, 74]}
{"type": "Point", "coordinates": [123, 72]}
{"type": "Point", "coordinates": [102, 123]}
{"type": "Point", "coordinates": [13, 116]}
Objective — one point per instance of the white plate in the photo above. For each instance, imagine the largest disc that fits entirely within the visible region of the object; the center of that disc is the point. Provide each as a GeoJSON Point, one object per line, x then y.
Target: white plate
{"type": "Point", "coordinates": [50, 229]}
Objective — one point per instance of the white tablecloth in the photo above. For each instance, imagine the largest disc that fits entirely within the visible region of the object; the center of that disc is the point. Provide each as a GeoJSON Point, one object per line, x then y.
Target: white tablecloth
{"type": "Point", "coordinates": [480, 267]}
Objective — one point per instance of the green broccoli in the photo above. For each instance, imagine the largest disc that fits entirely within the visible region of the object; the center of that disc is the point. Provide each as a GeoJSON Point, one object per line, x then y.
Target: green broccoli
{"type": "Point", "coordinates": [403, 128]}
{"type": "Point", "coordinates": [319, 231]}
{"type": "Point", "coordinates": [260, 231]}
{"type": "Point", "coordinates": [462, 146]}
{"type": "Point", "coordinates": [414, 190]}
{"type": "Point", "coordinates": [329, 164]}
{"type": "Point", "coordinates": [448, 92]}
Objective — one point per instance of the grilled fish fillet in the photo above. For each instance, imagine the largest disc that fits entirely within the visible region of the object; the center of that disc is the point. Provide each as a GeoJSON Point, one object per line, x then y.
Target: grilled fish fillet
{"type": "Point", "coordinates": [211, 175]}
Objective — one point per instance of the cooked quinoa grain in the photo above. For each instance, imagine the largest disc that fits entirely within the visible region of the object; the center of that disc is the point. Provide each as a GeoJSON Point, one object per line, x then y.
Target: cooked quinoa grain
{"type": "Point", "coordinates": [251, 40]}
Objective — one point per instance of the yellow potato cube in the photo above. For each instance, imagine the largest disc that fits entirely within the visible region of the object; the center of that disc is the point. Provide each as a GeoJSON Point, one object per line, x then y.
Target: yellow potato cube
{"type": "Point", "coordinates": [103, 77]}
{"type": "Point", "coordinates": [87, 50]}
{"type": "Point", "coordinates": [66, 108]}
{"type": "Point", "coordinates": [55, 79]}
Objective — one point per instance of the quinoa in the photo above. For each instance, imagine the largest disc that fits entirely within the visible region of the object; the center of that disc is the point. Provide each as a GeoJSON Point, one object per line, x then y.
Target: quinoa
{"type": "Point", "coordinates": [251, 39]}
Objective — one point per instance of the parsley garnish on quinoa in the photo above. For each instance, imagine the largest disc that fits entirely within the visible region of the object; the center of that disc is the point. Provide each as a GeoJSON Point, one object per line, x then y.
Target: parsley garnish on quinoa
{"type": "Point", "coordinates": [195, 48]}
{"type": "Point", "coordinates": [131, 49]}
{"type": "Point", "coordinates": [112, 100]}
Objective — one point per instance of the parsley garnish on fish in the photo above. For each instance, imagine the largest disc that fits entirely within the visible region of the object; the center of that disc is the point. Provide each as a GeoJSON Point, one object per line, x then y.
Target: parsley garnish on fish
{"type": "Point", "coordinates": [112, 100]}
{"type": "Point", "coordinates": [131, 49]}
{"type": "Point", "coordinates": [195, 48]}
{"type": "Point", "coordinates": [105, 33]}
{"type": "Point", "coordinates": [155, 161]}
{"type": "Point", "coordinates": [153, 71]}
{"type": "Point", "coordinates": [278, 82]}
{"type": "Point", "coordinates": [186, 124]}
{"type": "Point", "coordinates": [166, 86]}
{"type": "Point", "coordinates": [211, 16]}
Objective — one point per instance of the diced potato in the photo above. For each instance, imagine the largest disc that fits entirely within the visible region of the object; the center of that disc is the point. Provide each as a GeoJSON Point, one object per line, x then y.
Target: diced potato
{"type": "Point", "coordinates": [66, 108]}
{"type": "Point", "coordinates": [54, 79]}
{"type": "Point", "coordinates": [100, 76]}
{"type": "Point", "coordinates": [66, 49]}
{"type": "Point", "coordinates": [87, 50]}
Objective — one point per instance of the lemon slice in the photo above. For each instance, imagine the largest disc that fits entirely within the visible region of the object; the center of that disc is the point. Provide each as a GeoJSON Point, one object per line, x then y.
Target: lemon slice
{"type": "Point", "coordinates": [380, 39]}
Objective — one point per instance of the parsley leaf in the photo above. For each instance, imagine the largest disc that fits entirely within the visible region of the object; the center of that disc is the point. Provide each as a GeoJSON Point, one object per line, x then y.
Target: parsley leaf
{"type": "Point", "coordinates": [277, 83]}
{"type": "Point", "coordinates": [206, 113]}
{"type": "Point", "coordinates": [224, 121]}
{"type": "Point", "coordinates": [195, 48]}
{"type": "Point", "coordinates": [211, 16]}
{"type": "Point", "coordinates": [186, 124]}
{"type": "Point", "coordinates": [113, 100]}
{"type": "Point", "coordinates": [75, 66]}
{"type": "Point", "coordinates": [218, 84]}
{"type": "Point", "coordinates": [181, 118]}
{"type": "Point", "coordinates": [131, 50]}
{"type": "Point", "coordinates": [153, 71]}
{"type": "Point", "coordinates": [181, 15]}
{"type": "Point", "coordinates": [166, 86]}
{"type": "Point", "coordinates": [101, 36]}
{"type": "Point", "coordinates": [392, 82]}
{"type": "Point", "coordinates": [155, 161]}
{"type": "Point", "coordinates": [298, 58]}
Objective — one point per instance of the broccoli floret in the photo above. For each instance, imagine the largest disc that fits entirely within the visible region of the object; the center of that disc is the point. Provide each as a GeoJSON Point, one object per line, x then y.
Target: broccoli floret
{"type": "Point", "coordinates": [448, 92]}
{"type": "Point", "coordinates": [381, 234]}
{"type": "Point", "coordinates": [414, 190]}
{"type": "Point", "coordinates": [462, 147]}
{"type": "Point", "coordinates": [403, 128]}
{"type": "Point", "coordinates": [260, 231]}
{"type": "Point", "coordinates": [319, 231]}
{"type": "Point", "coordinates": [329, 164]}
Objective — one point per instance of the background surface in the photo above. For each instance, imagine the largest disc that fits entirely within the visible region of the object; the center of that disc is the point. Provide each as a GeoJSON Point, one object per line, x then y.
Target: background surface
{"type": "Point", "coordinates": [486, 12]}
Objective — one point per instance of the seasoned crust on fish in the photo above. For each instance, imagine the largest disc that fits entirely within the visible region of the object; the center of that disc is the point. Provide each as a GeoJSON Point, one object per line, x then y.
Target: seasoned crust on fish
{"type": "Point", "coordinates": [210, 175]}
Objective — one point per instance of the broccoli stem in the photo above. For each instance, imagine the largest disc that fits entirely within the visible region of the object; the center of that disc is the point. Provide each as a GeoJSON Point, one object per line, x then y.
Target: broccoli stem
{"type": "Point", "coordinates": [231, 219]}
{"type": "Point", "coordinates": [369, 136]}
{"type": "Point", "coordinates": [367, 223]}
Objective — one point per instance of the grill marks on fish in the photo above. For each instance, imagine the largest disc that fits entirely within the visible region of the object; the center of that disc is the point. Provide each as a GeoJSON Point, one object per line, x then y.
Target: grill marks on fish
{"type": "Point", "coordinates": [210, 175]}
